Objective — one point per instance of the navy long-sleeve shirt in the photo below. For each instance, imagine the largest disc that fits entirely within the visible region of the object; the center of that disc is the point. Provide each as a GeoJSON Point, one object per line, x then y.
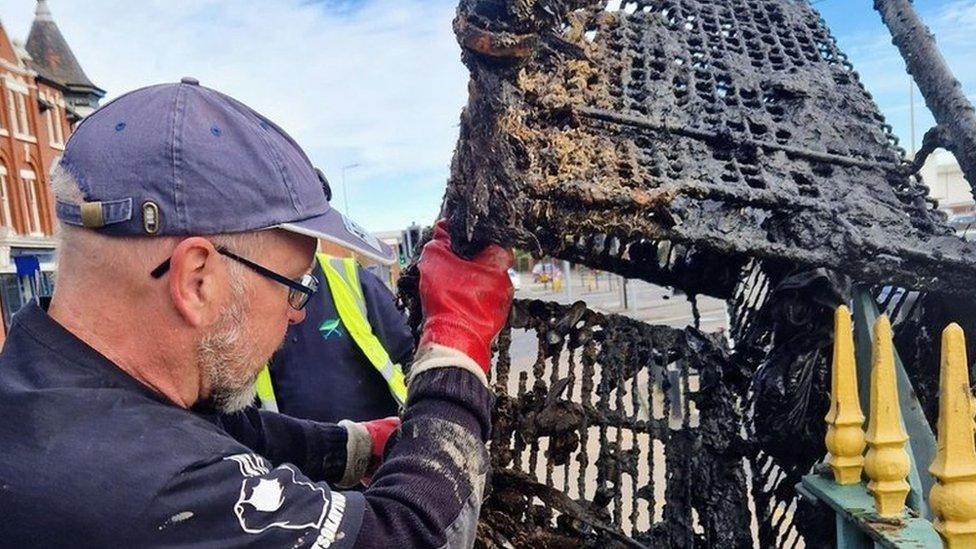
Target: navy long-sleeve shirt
{"type": "Point", "coordinates": [89, 457]}
{"type": "Point", "coordinates": [321, 374]}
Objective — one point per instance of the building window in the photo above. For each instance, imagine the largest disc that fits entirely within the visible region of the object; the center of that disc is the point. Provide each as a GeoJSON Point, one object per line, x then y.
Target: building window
{"type": "Point", "coordinates": [53, 118]}
{"type": "Point", "coordinates": [5, 198]}
{"type": "Point", "coordinates": [52, 109]}
{"type": "Point", "coordinates": [58, 126]}
{"type": "Point", "coordinates": [22, 120]}
{"type": "Point", "coordinates": [49, 118]}
{"type": "Point", "coordinates": [12, 111]}
{"type": "Point", "coordinates": [33, 206]}
{"type": "Point", "coordinates": [18, 98]}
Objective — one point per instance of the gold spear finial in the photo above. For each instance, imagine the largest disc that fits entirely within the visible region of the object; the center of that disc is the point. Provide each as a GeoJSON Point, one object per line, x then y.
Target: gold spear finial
{"type": "Point", "coordinates": [887, 463]}
{"type": "Point", "coordinates": [953, 497]}
{"type": "Point", "coordinates": [845, 420]}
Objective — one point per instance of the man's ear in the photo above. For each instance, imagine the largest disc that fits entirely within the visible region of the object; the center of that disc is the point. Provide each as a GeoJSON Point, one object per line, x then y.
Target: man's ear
{"type": "Point", "coordinates": [197, 281]}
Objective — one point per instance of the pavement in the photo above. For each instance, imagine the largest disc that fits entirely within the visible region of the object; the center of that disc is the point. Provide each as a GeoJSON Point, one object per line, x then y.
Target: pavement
{"type": "Point", "coordinates": [603, 293]}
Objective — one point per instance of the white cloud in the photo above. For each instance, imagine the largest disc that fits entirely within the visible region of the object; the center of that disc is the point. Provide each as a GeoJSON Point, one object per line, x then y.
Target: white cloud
{"type": "Point", "coordinates": [958, 19]}
{"type": "Point", "coordinates": [373, 82]}
{"type": "Point", "coordinates": [883, 70]}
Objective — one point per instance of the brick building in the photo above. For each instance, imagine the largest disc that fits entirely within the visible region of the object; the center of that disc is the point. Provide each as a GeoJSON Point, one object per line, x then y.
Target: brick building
{"type": "Point", "coordinates": [43, 93]}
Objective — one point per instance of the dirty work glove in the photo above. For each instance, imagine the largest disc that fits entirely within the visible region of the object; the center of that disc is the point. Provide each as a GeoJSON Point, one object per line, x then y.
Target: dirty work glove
{"type": "Point", "coordinates": [465, 304]}
{"type": "Point", "coordinates": [379, 433]}
{"type": "Point", "coordinates": [364, 449]}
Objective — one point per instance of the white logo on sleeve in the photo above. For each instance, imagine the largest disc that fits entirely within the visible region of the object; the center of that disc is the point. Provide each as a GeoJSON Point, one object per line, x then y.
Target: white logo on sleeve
{"type": "Point", "coordinates": [267, 496]}
{"type": "Point", "coordinates": [275, 498]}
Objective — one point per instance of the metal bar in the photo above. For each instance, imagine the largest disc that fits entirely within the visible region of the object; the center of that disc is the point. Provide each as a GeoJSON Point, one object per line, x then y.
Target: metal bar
{"type": "Point", "coordinates": [911, 116]}
{"type": "Point", "coordinates": [849, 536]}
{"type": "Point", "coordinates": [854, 505]}
{"type": "Point", "coordinates": [921, 444]}
{"type": "Point", "coordinates": [567, 280]}
{"type": "Point", "coordinates": [623, 294]}
{"type": "Point", "coordinates": [942, 92]}
{"type": "Point", "coordinates": [708, 136]}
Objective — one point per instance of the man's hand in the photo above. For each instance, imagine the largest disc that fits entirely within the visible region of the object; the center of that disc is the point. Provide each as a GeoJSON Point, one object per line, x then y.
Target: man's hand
{"type": "Point", "coordinates": [379, 432]}
{"type": "Point", "coordinates": [465, 303]}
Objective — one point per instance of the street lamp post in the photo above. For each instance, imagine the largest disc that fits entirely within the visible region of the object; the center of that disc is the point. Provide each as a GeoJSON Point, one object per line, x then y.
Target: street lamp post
{"type": "Point", "coordinates": [345, 192]}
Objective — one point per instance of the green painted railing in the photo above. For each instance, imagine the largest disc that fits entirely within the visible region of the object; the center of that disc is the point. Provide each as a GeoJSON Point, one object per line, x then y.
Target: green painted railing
{"type": "Point", "coordinates": [872, 479]}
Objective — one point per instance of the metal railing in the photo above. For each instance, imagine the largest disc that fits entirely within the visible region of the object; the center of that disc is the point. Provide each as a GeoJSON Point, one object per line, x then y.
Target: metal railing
{"type": "Point", "coordinates": [881, 497]}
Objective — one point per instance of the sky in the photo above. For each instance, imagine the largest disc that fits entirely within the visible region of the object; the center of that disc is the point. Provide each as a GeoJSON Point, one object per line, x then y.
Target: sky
{"type": "Point", "coordinates": [377, 86]}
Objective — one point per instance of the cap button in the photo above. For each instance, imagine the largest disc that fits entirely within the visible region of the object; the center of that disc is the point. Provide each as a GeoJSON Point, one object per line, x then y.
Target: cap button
{"type": "Point", "coordinates": [190, 80]}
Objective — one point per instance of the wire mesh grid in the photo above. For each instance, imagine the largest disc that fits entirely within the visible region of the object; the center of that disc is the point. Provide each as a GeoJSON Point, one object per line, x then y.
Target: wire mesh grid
{"type": "Point", "coordinates": [600, 438]}
{"type": "Point", "coordinates": [721, 147]}
{"type": "Point", "coordinates": [737, 127]}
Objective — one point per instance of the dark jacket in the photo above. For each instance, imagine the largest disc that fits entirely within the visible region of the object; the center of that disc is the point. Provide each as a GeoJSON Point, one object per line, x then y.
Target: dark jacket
{"type": "Point", "coordinates": [319, 358]}
{"type": "Point", "coordinates": [89, 457]}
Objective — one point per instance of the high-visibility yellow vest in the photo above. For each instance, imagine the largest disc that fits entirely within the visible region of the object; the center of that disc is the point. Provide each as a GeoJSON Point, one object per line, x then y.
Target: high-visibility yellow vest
{"type": "Point", "coordinates": [265, 390]}
{"type": "Point", "coordinates": [342, 276]}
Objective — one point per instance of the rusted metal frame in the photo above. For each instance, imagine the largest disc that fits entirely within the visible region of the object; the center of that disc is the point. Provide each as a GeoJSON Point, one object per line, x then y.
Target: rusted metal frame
{"type": "Point", "coordinates": [619, 468]}
{"type": "Point", "coordinates": [520, 447]}
{"type": "Point", "coordinates": [502, 370]}
{"type": "Point", "coordinates": [942, 91]}
{"type": "Point", "coordinates": [538, 371]}
{"type": "Point", "coordinates": [572, 368]}
{"type": "Point", "coordinates": [720, 136]}
{"type": "Point", "coordinates": [879, 266]}
{"type": "Point", "coordinates": [712, 136]}
{"type": "Point", "coordinates": [654, 381]}
{"type": "Point", "coordinates": [933, 139]}
{"type": "Point", "coordinates": [554, 361]}
{"type": "Point", "coordinates": [635, 441]}
{"type": "Point", "coordinates": [635, 199]}
{"type": "Point", "coordinates": [563, 503]}
{"type": "Point", "coordinates": [586, 395]}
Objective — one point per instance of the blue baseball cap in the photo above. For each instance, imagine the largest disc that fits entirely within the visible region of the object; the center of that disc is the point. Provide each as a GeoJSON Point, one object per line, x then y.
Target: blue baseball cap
{"type": "Point", "coordinates": [182, 159]}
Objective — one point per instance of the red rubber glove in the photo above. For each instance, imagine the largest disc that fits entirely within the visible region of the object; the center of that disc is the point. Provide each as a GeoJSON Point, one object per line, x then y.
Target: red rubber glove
{"type": "Point", "coordinates": [465, 303]}
{"type": "Point", "coordinates": [379, 432]}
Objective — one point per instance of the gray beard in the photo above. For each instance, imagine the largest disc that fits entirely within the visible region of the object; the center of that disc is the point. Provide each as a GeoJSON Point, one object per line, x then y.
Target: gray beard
{"type": "Point", "coordinates": [226, 360]}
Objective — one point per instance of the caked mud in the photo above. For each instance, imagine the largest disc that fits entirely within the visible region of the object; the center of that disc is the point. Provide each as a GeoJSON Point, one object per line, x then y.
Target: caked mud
{"type": "Point", "coordinates": [723, 148]}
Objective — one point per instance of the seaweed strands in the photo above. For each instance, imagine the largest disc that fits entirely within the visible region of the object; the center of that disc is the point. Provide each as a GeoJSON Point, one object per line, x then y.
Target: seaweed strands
{"type": "Point", "coordinates": [619, 434]}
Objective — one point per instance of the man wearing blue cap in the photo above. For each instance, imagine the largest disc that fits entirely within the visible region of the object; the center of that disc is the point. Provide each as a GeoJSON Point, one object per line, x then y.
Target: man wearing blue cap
{"type": "Point", "coordinates": [189, 226]}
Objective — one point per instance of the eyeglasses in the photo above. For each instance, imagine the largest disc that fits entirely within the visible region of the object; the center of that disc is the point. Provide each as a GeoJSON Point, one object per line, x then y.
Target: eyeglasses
{"type": "Point", "coordinates": [299, 291]}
